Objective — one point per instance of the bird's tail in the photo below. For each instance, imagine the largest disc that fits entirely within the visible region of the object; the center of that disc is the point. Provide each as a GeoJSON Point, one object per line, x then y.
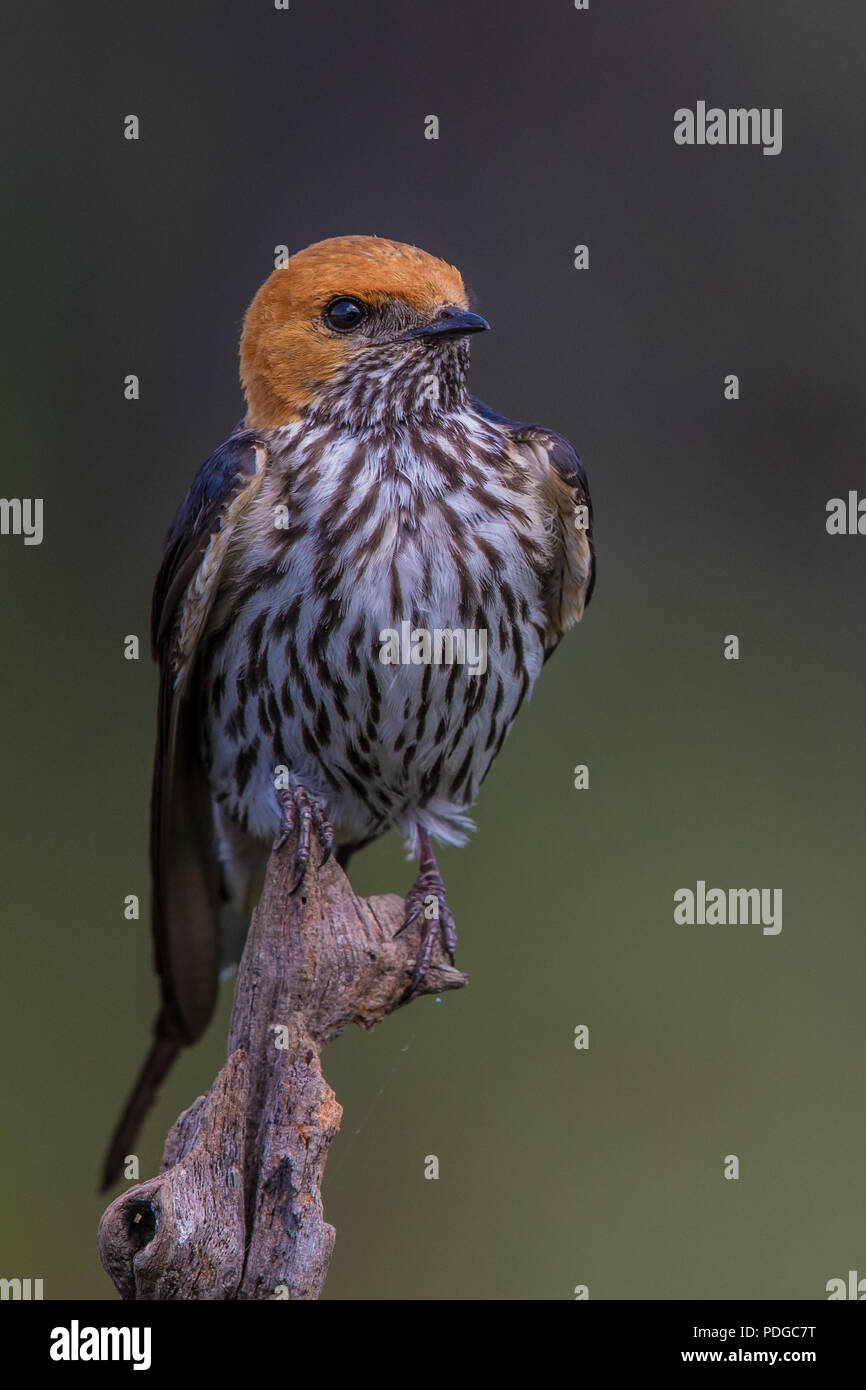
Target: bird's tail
{"type": "Point", "coordinates": [166, 1045]}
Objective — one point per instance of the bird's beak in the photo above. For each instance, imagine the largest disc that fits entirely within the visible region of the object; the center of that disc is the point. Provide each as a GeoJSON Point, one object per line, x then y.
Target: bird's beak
{"type": "Point", "coordinates": [450, 322]}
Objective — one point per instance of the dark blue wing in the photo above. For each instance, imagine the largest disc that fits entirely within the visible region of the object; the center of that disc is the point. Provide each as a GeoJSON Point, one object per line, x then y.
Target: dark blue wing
{"type": "Point", "coordinates": [198, 518]}
{"type": "Point", "coordinates": [570, 490]}
{"type": "Point", "coordinates": [185, 895]}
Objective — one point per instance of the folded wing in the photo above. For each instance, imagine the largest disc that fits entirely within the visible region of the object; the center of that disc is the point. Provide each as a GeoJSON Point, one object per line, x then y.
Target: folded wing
{"type": "Point", "coordinates": [184, 880]}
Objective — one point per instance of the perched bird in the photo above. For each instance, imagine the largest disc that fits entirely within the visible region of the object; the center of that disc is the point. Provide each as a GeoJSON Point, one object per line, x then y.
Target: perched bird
{"type": "Point", "coordinates": [366, 493]}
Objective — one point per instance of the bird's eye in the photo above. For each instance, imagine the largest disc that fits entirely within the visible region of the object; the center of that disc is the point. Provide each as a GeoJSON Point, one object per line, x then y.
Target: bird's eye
{"type": "Point", "coordinates": [344, 315]}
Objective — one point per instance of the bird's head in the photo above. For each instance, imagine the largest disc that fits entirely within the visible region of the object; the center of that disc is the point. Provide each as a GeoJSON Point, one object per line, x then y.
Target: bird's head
{"type": "Point", "coordinates": [359, 327]}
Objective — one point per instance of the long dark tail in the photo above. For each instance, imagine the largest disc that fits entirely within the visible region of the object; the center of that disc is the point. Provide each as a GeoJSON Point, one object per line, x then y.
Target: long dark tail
{"type": "Point", "coordinates": [159, 1061]}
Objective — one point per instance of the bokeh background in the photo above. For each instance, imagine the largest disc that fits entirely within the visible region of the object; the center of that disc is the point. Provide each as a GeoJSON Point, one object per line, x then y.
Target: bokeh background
{"type": "Point", "coordinates": [261, 127]}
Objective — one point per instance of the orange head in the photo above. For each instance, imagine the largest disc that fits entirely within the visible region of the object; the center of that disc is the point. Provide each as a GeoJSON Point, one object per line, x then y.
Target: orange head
{"type": "Point", "coordinates": [337, 306]}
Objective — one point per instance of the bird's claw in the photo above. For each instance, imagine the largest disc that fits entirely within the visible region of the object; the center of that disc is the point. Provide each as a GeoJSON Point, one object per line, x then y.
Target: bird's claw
{"type": "Point", "coordinates": [299, 810]}
{"type": "Point", "coordinates": [426, 899]}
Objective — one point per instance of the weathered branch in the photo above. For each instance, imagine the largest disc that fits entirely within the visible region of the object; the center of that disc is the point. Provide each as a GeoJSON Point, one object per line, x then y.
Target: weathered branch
{"type": "Point", "coordinates": [236, 1211]}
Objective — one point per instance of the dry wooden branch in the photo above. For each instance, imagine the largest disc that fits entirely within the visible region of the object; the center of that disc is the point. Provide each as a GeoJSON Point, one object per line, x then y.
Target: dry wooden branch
{"type": "Point", "coordinates": [236, 1211]}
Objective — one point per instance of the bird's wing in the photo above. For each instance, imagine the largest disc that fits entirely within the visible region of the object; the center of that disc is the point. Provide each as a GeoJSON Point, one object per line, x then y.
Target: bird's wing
{"type": "Point", "coordinates": [565, 490]}
{"type": "Point", "coordinates": [184, 877]}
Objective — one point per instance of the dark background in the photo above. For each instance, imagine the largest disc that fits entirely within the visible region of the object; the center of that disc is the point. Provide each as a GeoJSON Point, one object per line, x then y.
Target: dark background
{"type": "Point", "coordinates": [261, 127]}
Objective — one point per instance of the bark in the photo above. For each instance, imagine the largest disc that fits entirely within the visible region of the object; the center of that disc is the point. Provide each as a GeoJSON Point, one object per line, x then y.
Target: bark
{"type": "Point", "coordinates": [236, 1211]}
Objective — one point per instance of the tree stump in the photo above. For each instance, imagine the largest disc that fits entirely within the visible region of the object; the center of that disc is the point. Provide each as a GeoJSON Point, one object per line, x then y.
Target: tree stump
{"type": "Point", "coordinates": [236, 1211]}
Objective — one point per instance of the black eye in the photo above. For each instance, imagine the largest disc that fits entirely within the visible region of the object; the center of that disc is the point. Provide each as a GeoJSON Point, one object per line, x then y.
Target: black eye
{"type": "Point", "coordinates": [344, 315]}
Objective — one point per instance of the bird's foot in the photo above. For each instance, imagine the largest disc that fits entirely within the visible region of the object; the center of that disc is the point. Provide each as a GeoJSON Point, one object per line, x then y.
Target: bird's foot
{"type": "Point", "coordinates": [426, 899]}
{"type": "Point", "coordinates": [300, 811]}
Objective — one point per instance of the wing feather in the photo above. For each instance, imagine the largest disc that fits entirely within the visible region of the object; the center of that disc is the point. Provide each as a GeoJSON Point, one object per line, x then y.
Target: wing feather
{"type": "Point", "coordinates": [565, 492]}
{"type": "Point", "coordinates": [564, 486]}
{"type": "Point", "coordinates": [184, 876]}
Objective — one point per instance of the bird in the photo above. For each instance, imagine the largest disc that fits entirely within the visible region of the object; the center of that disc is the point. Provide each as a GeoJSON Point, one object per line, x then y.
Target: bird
{"type": "Point", "coordinates": [365, 503]}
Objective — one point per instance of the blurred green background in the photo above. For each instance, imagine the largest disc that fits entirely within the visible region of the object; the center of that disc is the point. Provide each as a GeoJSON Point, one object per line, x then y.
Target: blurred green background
{"type": "Point", "coordinates": [261, 127]}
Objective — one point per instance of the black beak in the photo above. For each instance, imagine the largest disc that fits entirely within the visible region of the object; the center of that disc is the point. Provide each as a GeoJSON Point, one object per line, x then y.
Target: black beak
{"type": "Point", "coordinates": [450, 322]}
